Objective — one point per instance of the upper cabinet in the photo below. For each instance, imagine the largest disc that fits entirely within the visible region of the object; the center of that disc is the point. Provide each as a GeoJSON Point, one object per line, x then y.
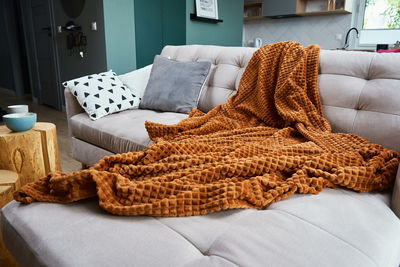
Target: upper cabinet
{"type": "Point", "coordinates": [253, 10]}
{"type": "Point", "coordinates": [279, 9]}
{"type": "Point", "coordinates": [320, 7]}
{"type": "Point", "coordinates": [293, 8]}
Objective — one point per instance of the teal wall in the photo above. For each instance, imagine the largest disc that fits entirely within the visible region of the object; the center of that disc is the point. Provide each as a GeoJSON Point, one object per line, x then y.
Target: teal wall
{"type": "Point", "coordinates": [158, 23]}
{"type": "Point", "coordinates": [119, 28]}
{"type": "Point", "coordinates": [227, 33]}
{"type": "Point", "coordinates": [149, 32]}
{"type": "Point", "coordinates": [167, 22]}
{"type": "Point", "coordinates": [174, 23]}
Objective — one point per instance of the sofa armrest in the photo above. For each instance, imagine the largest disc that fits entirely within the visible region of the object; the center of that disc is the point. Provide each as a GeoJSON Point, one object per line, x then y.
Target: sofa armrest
{"type": "Point", "coordinates": [71, 105]}
{"type": "Point", "coordinates": [396, 195]}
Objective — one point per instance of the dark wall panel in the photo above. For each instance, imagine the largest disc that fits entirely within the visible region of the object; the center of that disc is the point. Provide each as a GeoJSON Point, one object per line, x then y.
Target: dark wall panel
{"type": "Point", "coordinates": [94, 59]}
{"type": "Point", "coordinates": [6, 76]}
{"type": "Point", "coordinates": [7, 13]}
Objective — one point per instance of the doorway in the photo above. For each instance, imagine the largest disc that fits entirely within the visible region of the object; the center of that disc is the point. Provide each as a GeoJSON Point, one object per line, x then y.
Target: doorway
{"type": "Point", "coordinates": [40, 33]}
{"type": "Point", "coordinates": [31, 51]}
{"type": "Point", "coordinates": [14, 74]}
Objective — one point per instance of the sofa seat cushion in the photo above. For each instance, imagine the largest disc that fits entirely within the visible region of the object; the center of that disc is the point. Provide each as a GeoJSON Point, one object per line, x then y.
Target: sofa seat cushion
{"type": "Point", "coordinates": [335, 228]}
{"type": "Point", "coordinates": [121, 132]}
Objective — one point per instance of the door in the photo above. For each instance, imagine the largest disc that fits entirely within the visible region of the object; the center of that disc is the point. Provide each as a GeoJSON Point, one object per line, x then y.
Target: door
{"type": "Point", "coordinates": [43, 27]}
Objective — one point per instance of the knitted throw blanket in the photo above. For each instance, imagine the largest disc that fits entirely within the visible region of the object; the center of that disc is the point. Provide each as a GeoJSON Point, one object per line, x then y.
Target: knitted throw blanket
{"type": "Point", "coordinates": [269, 141]}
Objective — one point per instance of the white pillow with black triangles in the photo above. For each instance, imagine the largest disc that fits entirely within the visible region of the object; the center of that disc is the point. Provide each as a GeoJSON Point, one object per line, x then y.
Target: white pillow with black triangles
{"type": "Point", "coordinates": [102, 94]}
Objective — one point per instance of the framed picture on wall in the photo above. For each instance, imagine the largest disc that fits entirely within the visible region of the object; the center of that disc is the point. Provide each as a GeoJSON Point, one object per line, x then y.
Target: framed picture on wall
{"type": "Point", "coordinates": [207, 8]}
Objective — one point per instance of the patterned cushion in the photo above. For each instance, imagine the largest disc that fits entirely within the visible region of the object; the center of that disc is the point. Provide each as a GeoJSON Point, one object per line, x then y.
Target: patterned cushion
{"type": "Point", "coordinates": [102, 94]}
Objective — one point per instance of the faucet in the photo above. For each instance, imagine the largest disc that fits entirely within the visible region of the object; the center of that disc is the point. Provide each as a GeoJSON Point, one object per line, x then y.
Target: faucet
{"type": "Point", "coordinates": [346, 44]}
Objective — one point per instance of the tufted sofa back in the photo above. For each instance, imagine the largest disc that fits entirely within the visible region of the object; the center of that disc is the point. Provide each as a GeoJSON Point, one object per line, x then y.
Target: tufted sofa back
{"type": "Point", "coordinates": [360, 91]}
{"type": "Point", "coordinates": [227, 67]}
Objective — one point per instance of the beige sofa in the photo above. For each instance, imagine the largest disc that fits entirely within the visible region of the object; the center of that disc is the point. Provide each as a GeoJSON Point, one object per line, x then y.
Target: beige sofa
{"type": "Point", "coordinates": [360, 94]}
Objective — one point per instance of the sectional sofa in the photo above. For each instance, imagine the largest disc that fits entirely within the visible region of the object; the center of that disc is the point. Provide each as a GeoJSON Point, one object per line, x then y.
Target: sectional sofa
{"type": "Point", "coordinates": [360, 93]}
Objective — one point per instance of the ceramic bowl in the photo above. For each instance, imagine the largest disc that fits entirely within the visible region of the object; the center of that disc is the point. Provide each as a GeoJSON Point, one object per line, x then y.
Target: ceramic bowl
{"type": "Point", "coordinates": [20, 122]}
{"type": "Point", "coordinates": [18, 109]}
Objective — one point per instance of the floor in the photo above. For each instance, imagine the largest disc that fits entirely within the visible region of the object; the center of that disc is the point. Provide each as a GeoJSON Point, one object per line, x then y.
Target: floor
{"type": "Point", "coordinates": [47, 114]}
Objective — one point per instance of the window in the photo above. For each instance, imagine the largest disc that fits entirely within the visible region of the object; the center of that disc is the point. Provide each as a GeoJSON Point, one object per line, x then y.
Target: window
{"type": "Point", "coordinates": [381, 14]}
{"type": "Point", "coordinates": [379, 21]}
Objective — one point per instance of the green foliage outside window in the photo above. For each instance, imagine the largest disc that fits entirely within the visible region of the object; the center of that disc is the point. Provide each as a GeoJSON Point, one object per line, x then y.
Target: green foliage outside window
{"type": "Point", "coordinates": [382, 14]}
{"type": "Point", "coordinates": [393, 13]}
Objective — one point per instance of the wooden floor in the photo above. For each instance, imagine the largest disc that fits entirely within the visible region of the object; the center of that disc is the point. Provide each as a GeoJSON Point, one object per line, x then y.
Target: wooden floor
{"type": "Point", "coordinates": [47, 114]}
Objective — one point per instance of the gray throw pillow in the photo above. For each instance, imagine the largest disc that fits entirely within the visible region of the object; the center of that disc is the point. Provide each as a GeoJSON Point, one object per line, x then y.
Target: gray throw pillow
{"type": "Point", "coordinates": [174, 86]}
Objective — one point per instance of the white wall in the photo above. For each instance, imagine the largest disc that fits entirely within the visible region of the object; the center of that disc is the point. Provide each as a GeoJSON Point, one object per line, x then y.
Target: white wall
{"type": "Point", "coordinates": [320, 30]}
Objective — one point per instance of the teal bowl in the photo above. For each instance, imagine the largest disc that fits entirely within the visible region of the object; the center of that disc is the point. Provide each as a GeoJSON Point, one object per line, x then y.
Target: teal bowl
{"type": "Point", "coordinates": [20, 122]}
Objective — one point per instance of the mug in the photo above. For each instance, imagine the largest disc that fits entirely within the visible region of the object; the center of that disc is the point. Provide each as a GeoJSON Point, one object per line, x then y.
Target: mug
{"type": "Point", "coordinates": [17, 109]}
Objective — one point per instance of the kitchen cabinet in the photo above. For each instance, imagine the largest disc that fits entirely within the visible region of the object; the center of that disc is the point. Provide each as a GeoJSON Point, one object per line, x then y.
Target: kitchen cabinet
{"type": "Point", "coordinates": [323, 7]}
{"type": "Point", "coordinates": [279, 9]}
{"type": "Point", "coordinates": [295, 8]}
{"type": "Point", "coordinates": [253, 10]}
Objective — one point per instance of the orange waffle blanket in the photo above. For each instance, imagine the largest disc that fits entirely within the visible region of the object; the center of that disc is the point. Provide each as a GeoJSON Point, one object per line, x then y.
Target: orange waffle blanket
{"type": "Point", "coordinates": [269, 141]}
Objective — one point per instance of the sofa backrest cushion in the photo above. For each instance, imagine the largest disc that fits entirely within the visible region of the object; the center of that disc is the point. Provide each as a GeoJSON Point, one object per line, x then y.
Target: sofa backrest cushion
{"type": "Point", "coordinates": [360, 91]}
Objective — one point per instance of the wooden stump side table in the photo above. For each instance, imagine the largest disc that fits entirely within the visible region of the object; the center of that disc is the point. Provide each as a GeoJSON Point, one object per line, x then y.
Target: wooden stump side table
{"type": "Point", "coordinates": [10, 178]}
{"type": "Point", "coordinates": [31, 154]}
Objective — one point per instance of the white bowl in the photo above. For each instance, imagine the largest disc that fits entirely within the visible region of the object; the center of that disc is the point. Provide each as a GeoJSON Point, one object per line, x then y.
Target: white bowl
{"type": "Point", "coordinates": [17, 109]}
